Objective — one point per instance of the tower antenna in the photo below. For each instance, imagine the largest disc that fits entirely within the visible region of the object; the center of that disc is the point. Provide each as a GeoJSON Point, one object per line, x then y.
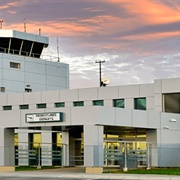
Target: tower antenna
{"type": "Point", "coordinates": [39, 31]}
{"type": "Point", "coordinates": [58, 49]}
{"type": "Point", "coordinates": [24, 25]}
{"type": "Point", "coordinates": [1, 22]}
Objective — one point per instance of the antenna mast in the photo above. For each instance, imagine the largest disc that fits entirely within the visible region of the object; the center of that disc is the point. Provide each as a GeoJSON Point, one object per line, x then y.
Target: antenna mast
{"type": "Point", "coordinates": [58, 49]}
{"type": "Point", "coordinates": [1, 22]}
{"type": "Point", "coordinates": [39, 31]}
{"type": "Point", "coordinates": [24, 25]}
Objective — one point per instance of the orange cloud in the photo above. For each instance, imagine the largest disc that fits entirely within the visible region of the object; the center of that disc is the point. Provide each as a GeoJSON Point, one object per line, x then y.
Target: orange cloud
{"type": "Point", "coordinates": [149, 11]}
{"type": "Point", "coordinates": [151, 37]}
{"type": "Point", "coordinates": [12, 4]}
{"type": "Point", "coordinates": [52, 28]}
{"type": "Point", "coordinates": [101, 25]}
{"type": "Point", "coordinates": [4, 7]}
{"type": "Point", "coordinates": [11, 12]}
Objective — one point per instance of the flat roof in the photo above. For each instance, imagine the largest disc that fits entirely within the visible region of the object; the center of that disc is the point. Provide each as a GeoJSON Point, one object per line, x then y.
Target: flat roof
{"type": "Point", "coordinates": [24, 36]}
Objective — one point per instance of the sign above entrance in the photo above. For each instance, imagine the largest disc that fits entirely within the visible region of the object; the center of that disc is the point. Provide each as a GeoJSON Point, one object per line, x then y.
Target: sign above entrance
{"type": "Point", "coordinates": [44, 117]}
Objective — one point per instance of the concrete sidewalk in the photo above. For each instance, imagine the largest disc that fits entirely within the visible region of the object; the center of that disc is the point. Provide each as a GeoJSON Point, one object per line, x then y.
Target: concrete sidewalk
{"type": "Point", "coordinates": [65, 175]}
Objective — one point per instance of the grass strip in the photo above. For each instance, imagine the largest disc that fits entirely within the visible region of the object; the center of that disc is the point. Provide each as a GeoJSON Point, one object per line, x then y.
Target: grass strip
{"type": "Point", "coordinates": [158, 171]}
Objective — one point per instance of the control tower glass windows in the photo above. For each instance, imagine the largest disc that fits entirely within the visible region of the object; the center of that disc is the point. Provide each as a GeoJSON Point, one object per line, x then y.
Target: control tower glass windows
{"type": "Point", "coordinates": [4, 44]}
{"type": "Point", "coordinates": [15, 46]}
{"type": "Point", "coordinates": [37, 50]}
{"type": "Point", "coordinates": [26, 48]}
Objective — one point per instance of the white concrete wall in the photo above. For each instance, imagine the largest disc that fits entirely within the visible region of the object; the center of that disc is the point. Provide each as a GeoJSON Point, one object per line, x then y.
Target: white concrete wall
{"type": "Point", "coordinates": [161, 86]}
{"type": "Point", "coordinates": [23, 148]}
{"type": "Point", "coordinates": [7, 147]}
{"type": "Point", "coordinates": [93, 146]}
{"type": "Point", "coordinates": [40, 74]}
{"type": "Point", "coordinates": [46, 150]}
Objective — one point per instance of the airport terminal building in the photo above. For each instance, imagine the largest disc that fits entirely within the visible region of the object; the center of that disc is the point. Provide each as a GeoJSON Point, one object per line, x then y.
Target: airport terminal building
{"type": "Point", "coordinates": [126, 126]}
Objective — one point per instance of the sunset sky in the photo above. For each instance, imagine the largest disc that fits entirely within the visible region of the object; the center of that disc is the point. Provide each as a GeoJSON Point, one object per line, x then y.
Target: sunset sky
{"type": "Point", "coordinates": [138, 39]}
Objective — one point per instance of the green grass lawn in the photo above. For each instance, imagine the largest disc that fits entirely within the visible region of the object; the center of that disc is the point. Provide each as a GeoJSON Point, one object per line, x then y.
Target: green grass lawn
{"type": "Point", "coordinates": [160, 171]}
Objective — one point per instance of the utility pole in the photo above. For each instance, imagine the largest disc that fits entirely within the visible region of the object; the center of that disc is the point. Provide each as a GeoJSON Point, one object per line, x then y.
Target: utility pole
{"type": "Point", "coordinates": [1, 22]}
{"type": "Point", "coordinates": [100, 62]}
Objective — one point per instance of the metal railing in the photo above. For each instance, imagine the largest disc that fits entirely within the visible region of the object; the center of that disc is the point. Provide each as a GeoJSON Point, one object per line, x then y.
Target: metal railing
{"type": "Point", "coordinates": [38, 154]}
{"type": "Point", "coordinates": [127, 154]}
{"type": "Point", "coordinates": [115, 153]}
{"type": "Point", "coordinates": [18, 52]}
{"type": "Point", "coordinates": [28, 54]}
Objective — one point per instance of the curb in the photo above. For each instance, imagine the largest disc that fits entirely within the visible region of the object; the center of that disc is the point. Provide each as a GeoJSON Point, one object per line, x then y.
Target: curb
{"type": "Point", "coordinates": [88, 176]}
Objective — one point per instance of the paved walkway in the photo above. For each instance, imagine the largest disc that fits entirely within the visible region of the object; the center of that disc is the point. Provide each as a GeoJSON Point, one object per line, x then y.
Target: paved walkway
{"type": "Point", "coordinates": [64, 175]}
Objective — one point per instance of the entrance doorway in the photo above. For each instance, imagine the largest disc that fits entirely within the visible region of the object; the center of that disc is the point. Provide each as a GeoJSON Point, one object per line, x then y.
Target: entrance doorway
{"type": "Point", "coordinates": [125, 153]}
{"type": "Point", "coordinates": [125, 146]}
{"type": "Point", "coordinates": [77, 152]}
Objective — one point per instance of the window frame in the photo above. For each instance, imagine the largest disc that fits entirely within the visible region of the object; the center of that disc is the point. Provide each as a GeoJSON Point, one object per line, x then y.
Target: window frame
{"type": "Point", "coordinates": [95, 101]}
{"type": "Point", "coordinates": [78, 103]}
{"type": "Point", "coordinates": [23, 105]}
{"type": "Point", "coordinates": [115, 103]}
{"type": "Point", "coordinates": [62, 103]}
{"type": "Point", "coordinates": [15, 65]}
{"type": "Point", "coordinates": [38, 106]}
{"type": "Point", "coordinates": [136, 106]}
{"type": "Point", "coordinates": [8, 106]}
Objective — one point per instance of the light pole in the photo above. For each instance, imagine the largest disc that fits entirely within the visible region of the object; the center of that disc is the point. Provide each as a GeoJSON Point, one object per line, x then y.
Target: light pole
{"type": "Point", "coordinates": [1, 21]}
{"type": "Point", "coordinates": [100, 62]}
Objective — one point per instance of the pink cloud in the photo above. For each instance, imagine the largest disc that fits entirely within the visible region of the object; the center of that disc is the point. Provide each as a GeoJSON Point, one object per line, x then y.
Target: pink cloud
{"type": "Point", "coordinates": [4, 7]}
{"type": "Point", "coordinates": [149, 11]}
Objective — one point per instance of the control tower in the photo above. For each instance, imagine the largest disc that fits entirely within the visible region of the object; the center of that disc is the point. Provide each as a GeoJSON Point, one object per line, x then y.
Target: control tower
{"type": "Point", "coordinates": [21, 67]}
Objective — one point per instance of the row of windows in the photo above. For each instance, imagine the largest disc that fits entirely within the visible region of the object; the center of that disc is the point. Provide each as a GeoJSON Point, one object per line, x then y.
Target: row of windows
{"type": "Point", "coordinates": [139, 103]}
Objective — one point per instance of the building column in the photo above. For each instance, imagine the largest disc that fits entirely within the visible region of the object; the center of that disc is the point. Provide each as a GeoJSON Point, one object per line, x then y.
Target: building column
{"type": "Point", "coordinates": [7, 149]}
{"type": "Point", "coordinates": [65, 148]}
{"type": "Point", "coordinates": [93, 146]}
{"type": "Point", "coordinates": [23, 147]}
{"type": "Point", "coordinates": [46, 150]}
{"type": "Point", "coordinates": [152, 149]}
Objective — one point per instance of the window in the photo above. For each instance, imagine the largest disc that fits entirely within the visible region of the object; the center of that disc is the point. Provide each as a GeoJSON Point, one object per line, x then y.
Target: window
{"type": "Point", "coordinates": [78, 103]}
{"type": "Point", "coordinates": [24, 106]}
{"type": "Point", "coordinates": [39, 106]}
{"type": "Point", "coordinates": [59, 104]}
{"type": "Point", "coordinates": [140, 103]}
{"type": "Point", "coordinates": [6, 108]}
{"type": "Point", "coordinates": [28, 90]}
{"type": "Point", "coordinates": [118, 103]}
{"type": "Point", "coordinates": [3, 89]}
{"type": "Point", "coordinates": [15, 65]}
{"type": "Point", "coordinates": [98, 103]}
{"type": "Point", "coordinates": [171, 102]}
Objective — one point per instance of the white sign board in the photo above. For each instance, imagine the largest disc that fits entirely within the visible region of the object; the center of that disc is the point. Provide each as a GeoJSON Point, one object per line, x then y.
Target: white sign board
{"type": "Point", "coordinates": [44, 117]}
